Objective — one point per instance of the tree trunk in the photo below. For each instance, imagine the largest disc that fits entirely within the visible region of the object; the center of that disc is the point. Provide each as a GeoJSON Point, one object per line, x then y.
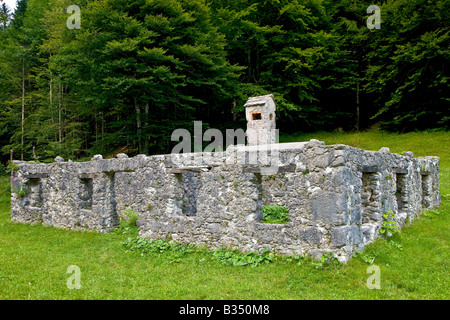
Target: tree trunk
{"type": "Point", "coordinates": [249, 53]}
{"type": "Point", "coordinates": [146, 119]}
{"type": "Point", "coordinates": [96, 125]}
{"type": "Point", "coordinates": [59, 114]}
{"type": "Point", "coordinates": [23, 108]}
{"type": "Point", "coordinates": [51, 104]}
{"type": "Point", "coordinates": [103, 125]}
{"type": "Point", "coordinates": [357, 107]}
{"type": "Point", "coordinates": [138, 124]}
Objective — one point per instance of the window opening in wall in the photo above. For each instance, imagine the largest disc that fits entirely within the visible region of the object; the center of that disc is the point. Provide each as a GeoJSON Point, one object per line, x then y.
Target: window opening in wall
{"type": "Point", "coordinates": [259, 201]}
{"type": "Point", "coordinates": [111, 193]}
{"type": "Point", "coordinates": [272, 196]}
{"type": "Point", "coordinates": [271, 117]}
{"type": "Point", "coordinates": [427, 186]}
{"type": "Point", "coordinates": [256, 116]}
{"type": "Point", "coordinates": [85, 193]}
{"type": "Point", "coordinates": [34, 192]}
{"type": "Point", "coordinates": [401, 192]}
{"type": "Point", "coordinates": [190, 183]}
{"type": "Point", "coordinates": [369, 196]}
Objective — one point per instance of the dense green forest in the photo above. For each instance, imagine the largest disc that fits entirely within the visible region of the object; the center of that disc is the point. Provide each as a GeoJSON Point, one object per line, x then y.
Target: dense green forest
{"type": "Point", "coordinates": [135, 70]}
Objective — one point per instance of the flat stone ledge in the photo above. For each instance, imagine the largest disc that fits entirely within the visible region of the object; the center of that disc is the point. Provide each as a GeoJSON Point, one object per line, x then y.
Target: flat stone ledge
{"type": "Point", "coordinates": [188, 169]}
{"type": "Point", "coordinates": [275, 169]}
{"type": "Point", "coordinates": [35, 176]}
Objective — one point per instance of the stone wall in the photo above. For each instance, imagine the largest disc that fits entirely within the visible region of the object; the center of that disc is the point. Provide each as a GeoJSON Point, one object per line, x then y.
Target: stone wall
{"type": "Point", "coordinates": [336, 195]}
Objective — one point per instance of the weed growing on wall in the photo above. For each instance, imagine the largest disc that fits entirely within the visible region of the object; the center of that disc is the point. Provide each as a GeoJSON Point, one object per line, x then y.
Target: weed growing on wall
{"type": "Point", "coordinates": [22, 190]}
{"type": "Point", "coordinates": [275, 214]}
{"type": "Point", "coordinates": [131, 220]}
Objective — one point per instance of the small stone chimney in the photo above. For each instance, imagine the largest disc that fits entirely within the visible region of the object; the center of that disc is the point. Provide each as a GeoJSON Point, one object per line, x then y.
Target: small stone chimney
{"type": "Point", "coordinates": [260, 114]}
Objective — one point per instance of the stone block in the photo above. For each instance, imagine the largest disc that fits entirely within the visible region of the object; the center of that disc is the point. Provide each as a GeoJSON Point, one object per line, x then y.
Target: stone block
{"type": "Point", "coordinates": [346, 235]}
{"type": "Point", "coordinates": [328, 207]}
{"type": "Point", "coordinates": [311, 235]}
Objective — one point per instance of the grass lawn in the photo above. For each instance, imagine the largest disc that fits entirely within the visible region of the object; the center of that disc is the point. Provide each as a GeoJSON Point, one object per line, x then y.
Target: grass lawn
{"type": "Point", "coordinates": [415, 265]}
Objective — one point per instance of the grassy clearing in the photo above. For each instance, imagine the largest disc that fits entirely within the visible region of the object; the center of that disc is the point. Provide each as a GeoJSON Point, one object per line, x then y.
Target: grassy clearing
{"type": "Point", "coordinates": [415, 265]}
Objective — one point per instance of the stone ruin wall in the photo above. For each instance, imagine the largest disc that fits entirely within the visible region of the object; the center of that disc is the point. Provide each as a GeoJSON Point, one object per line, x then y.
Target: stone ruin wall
{"type": "Point", "coordinates": [336, 196]}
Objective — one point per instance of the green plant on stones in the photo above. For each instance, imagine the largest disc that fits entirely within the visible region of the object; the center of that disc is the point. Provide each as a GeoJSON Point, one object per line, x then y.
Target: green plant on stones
{"type": "Point", "coordinates": [389, 226]}
{"type": "Point", "coordinates": [235, 258]}
{"type": "Point", "coordinates": [21, 191]}
{"type": "Point", "coordinates": [174, 250]}
{"type": "Point", "coordinates": [275, 214]}
{"type": "Point", "coordinates": [131, 218]}
{"type": "Point", "coordinates": [11, 167]}
{"type": "Point", "coordinates": [297, 258]}
{"type": "Point", "coordinates": [327, 259]}
{"type": "Point", "coordinates": [395, 245]}
{"type": "Point", "coordinates": [368, 258]}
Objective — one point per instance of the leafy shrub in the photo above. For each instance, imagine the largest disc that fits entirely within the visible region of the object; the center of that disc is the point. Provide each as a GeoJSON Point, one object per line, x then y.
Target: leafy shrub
{"type": "Point", "coordinates": [389, 226]}
{"type": "Point", "coordinates": [131, 220]}
{"type": "Point", "coordinates": [275, 214]}
{"type": "Point", "coordinates": [21, 192]}
{"type": "Point", "coordinates": [175, 250]}
{"type": "Point", "coordinates": [3, 170]}
{"type": "Point", "coordinates": [11, 167]}
{"type": "Point", "coordinates": [368, 258]}
{"type": "Point", "coordinates": [297, 258]}
{"type": "Point", "coordinates": [234, 258]}
{"type": "Point", "coordinates": [327, 258]}
{"type": "Point", "coordinates": [395, 245]}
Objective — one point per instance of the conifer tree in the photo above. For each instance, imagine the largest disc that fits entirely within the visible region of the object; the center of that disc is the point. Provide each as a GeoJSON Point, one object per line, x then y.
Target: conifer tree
{"type": "Point", "coordinates": [149, 67]}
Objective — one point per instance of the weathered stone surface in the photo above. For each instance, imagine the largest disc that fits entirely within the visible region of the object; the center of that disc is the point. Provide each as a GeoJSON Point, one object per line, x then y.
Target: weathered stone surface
{"type": "Point", "coordinates": [336, 196]}
{"type": "Point", "coordinates": [327, 207]}
{"type": "Point", "coordinates": [121, 156]}
{"type": "Point", "coordinates": [346, 235]}
{"type": "Point", "coordinates": [409, 154]}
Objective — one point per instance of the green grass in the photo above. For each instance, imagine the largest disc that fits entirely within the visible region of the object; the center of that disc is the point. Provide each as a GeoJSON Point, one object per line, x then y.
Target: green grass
{"type": "Point", "coordinates": [414, 265]}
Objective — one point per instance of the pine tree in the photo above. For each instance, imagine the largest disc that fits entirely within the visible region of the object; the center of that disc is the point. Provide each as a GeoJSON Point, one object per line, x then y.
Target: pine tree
{"type": "Point", "coordinates": [149, 67]}
{"type": "Point", "coordinates": [5, 15]}
{"type": "Point", "coordinates": [408, 64]}
{"type": "Point", "coordinates": [288, 49]}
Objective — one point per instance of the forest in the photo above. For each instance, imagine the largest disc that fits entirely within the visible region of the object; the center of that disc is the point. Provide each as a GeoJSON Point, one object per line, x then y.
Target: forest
{"type": "Point", "coordinates": [133, 71]}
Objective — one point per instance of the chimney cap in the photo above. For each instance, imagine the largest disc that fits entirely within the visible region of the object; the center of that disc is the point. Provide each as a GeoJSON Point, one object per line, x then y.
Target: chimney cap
{"type": "Point", "coordinates": [261, 100]}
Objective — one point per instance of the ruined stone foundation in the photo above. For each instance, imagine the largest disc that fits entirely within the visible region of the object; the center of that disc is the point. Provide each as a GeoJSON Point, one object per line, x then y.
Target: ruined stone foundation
{"type": "Point", "coordinates": [336, 195]}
